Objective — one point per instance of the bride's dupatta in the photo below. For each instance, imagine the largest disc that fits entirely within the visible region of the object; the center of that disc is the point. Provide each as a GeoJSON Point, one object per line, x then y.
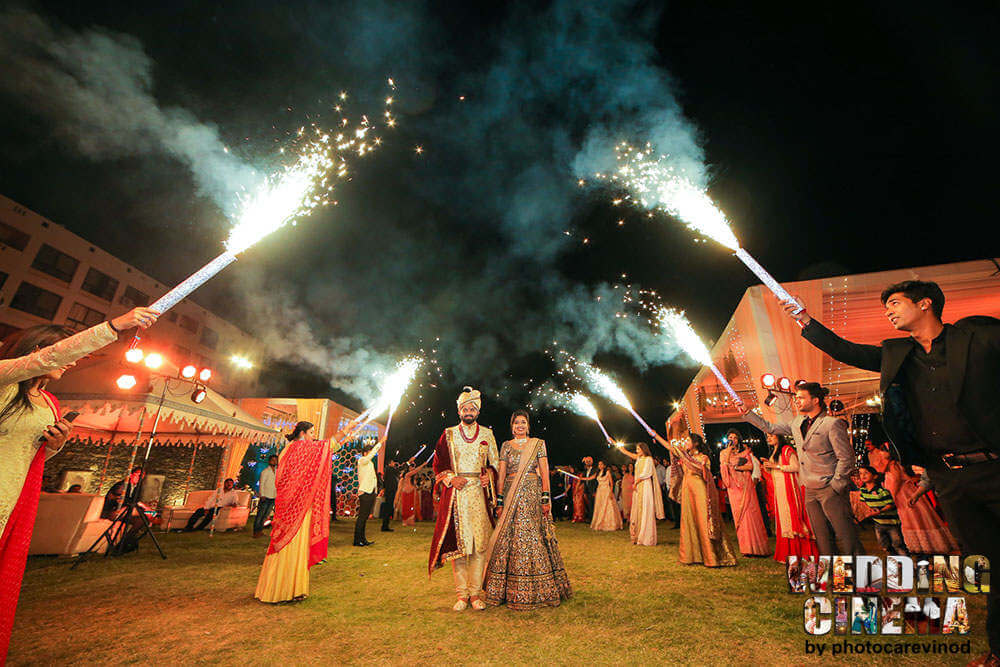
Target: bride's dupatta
{"type": "Point", "coordinates": [531, 450]}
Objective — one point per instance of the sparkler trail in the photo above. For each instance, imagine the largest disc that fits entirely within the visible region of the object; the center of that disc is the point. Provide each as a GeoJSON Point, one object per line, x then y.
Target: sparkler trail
{"type": "Point", "coordinates": [604, 385]}
{"type": "Point", "coordinates": [677, 326]}
{"type": "Point", "coordinates": [289, 194]}
{"type": "Point", "coordinates": [653, 183]}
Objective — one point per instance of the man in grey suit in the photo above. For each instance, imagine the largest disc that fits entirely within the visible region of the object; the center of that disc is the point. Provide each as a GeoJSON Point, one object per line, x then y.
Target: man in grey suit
{"type": "Point", "coordinates": [826, 461]}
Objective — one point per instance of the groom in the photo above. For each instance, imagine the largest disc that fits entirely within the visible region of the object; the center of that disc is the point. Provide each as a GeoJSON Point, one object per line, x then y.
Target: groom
{"type": "Point", "coordinates": [465, 463]}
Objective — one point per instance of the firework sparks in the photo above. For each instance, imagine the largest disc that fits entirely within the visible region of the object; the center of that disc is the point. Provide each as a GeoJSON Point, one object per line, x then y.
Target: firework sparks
{"type": "Point", "coordinates": [394, 387]}
{"type": "Point", "coordinates": [284, 197]}
{"type": "Point", "coordinates": [653, 183]}
{"type": "Point", "coordinates": [677, 326]}
{"type": "Point", "coordinates": [604, 385]}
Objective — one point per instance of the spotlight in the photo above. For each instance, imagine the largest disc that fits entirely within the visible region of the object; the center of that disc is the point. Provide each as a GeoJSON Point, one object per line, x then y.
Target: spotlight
{"type": "Point", "coordinates": [205, 375]}
{"type": "Point", "coordinates": [125, 382]}
{"type": "Point", "coordinates": [154, 361]}
{"type": "Point", "coordinates": [199, 394]}
{"type": "Point", "coordinates": [188, 372]}
{"type": "Point", "coordinates": [134, 355]}
{"type": "Point", "coordinates": [767, 380]}
{"type": "Point", "coordinates": [770, 398]}
{"type": "Point", "coordinates": [784, 384]}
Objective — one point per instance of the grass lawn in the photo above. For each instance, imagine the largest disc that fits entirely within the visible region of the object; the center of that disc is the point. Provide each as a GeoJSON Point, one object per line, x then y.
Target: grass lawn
{"type": "Point", "coordinates": [376, 605]}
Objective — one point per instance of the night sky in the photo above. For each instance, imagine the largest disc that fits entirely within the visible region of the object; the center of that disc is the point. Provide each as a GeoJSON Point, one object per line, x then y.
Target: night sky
{"type": "Point", "coordinates": [839, 140]}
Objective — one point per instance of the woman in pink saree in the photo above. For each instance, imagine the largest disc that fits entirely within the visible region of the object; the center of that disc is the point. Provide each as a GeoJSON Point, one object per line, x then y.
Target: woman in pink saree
{"type": "Point", "coordinates": [736, 464]}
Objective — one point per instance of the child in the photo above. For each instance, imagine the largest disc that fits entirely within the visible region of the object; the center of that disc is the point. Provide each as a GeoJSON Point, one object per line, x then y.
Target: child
{"type": "Point", "coordinates": [886, 518]}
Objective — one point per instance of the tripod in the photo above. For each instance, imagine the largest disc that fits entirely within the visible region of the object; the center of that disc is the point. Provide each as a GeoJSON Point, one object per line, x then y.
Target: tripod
{"type": "Point", "coordinates": [122, 536]}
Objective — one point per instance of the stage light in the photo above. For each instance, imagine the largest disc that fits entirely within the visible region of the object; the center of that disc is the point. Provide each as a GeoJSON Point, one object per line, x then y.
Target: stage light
{"type": "Point", "coordinates": [770, 398]}
{"type": "Point", "coordinates": [188, 372]}
{"type": "Point", "coordinates": [154, 361]}
{"type": "Point", "coordinates": [199, 394]}
{"type": "Point", "coordinates": [241, 362]}
{"type": "Point", "coordinates": [125, 382]}
{"type": "Point", "coordinates": [205, 375]}
{"type": "Point", "coordinates": [784, 384]}
{"type": "Point", "coordinates": [134, 355]}
{"type": "Point", "coordinates": [768, 380]}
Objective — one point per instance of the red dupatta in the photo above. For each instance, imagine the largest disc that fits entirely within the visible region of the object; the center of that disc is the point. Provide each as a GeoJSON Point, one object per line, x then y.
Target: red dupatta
{"type": "Point", "coordinates": [16, 538]}
{"type": "Point", "coordinates": [796, 522]}
{"type": "Point", "coordinates": [303, 483]}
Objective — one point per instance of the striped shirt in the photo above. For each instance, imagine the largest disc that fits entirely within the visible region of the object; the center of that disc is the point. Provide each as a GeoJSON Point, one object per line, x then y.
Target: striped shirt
{"type": "Point", "coordinates": [879, 498]}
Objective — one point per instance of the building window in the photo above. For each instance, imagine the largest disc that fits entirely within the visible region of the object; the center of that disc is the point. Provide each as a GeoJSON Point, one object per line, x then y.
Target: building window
{"type": "Point", "coordinates": [209, 338]}
{"type": "Point", "coordinates": [55, 263]}
{"type": "Point", "coordinates": [37, 301]}
{"type": "Point", "coordinates": [13, 237]}
{"type": "Point", "coordinates": [99, 284]}
{"type": "Point", "coordinates": [171, 316]}
{"type": "Point", "coordinates": [189, 324]}
{"type": "Point", "coordinates": [81, 317]}
{"type": "Point", "coordinates": [133, 297]}
{"type": "Point", "coordinates": [183, 355]}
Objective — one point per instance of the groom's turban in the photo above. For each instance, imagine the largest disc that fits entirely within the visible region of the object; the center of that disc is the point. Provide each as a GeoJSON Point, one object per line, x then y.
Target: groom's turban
{"type": "Point", "coordinates": [470, 395]}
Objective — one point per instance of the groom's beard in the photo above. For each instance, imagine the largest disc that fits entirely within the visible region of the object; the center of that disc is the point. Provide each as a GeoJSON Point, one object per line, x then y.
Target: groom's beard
{"type": "Point", "coordinates": [468, 420]}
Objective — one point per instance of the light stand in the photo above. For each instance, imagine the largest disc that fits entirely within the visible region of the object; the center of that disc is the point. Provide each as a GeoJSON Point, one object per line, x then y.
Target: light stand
{"type": "Point", "coordinates": [120, 534]}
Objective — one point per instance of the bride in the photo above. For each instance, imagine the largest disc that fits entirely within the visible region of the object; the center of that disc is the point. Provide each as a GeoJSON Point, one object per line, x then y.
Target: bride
{"type": "Point", "coordinates": [524, 567]}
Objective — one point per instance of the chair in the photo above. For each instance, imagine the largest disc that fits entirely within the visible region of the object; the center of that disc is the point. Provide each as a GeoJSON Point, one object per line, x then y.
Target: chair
{"type": "Point", "coordinates": [228, 518]}
{"type": "Point", "coordinates": [68, 523]}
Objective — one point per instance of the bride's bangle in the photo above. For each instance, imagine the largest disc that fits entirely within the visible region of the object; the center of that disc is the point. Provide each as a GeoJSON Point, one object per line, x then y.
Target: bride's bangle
{"type": "Point", "coordinates": [546, 498]}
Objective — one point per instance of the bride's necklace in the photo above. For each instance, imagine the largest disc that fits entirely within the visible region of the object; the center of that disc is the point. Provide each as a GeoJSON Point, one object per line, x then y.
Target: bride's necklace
{"type": "Point", "coordinates": [461, 429]}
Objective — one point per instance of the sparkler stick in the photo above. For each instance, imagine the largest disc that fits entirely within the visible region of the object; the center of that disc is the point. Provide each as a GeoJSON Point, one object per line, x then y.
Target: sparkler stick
{"type": "Point", "coordinates": [422, 448]}
{"type": "Point", "coordinates": [655, 184]}
{"type": "Point", "coordinates": [285, 196]}
{"type": "Point", "coordinates": [680, 330]}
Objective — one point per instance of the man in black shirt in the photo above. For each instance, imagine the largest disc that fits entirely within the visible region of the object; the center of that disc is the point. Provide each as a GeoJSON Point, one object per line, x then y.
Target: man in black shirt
{"type": "Point", "coordinates": [939, 396]}
{"type": "Point", "coordinates": [390, 482]}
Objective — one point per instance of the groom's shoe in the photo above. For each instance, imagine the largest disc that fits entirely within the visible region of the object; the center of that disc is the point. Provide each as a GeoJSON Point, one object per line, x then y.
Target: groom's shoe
{"type": "Point", "coordinates": [460, 605]}
{"type": "Point", "coordinates": [478, 604]}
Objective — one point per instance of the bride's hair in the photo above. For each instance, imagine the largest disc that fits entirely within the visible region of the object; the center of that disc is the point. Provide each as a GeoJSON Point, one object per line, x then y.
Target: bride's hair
{"type": "Point", "coordinates": [520, 413]}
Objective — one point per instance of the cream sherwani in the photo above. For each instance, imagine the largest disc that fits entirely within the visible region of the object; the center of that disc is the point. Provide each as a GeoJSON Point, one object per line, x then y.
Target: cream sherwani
{"type": "Point", "coordinates": [472, 522]}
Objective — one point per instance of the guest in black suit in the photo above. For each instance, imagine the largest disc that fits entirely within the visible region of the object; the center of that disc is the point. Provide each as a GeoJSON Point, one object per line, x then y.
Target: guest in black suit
{"type": "Point", "coordinates": [939, 409]}
{"type": "Point", "coordinates": [390, 482]}
{"type": "Point", "coordinates": [590, 486]}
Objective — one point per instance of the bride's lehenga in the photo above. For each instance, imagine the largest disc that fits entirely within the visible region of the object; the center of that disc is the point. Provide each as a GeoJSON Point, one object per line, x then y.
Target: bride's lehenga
{"type": "Point", "coordinates": [525, 569]}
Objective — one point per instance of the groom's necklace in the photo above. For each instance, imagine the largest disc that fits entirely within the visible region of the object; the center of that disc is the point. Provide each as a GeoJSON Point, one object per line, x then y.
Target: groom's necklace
{"type": "Point", "coordinates": [461, 429]}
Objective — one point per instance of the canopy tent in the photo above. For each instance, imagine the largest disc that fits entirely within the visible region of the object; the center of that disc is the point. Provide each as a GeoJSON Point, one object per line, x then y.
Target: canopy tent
{"type": "Point", "coordinates": [760, 338]}
{"type": "Point", "coordinates": [114, 416]}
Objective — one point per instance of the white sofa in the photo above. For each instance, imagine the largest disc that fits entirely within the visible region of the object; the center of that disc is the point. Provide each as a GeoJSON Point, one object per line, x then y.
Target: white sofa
{"type": "Point", "coordinates": [68, 523]}
{"type": "Point", "coordinates": [228, 518]}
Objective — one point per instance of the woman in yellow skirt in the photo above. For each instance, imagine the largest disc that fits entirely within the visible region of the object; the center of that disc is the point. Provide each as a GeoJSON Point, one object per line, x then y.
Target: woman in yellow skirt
{"type": "Point", "coordinates": [301, 526]}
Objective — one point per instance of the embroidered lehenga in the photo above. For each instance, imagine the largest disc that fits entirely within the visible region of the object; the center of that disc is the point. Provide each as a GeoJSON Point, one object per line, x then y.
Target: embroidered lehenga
{"type": "Point", "coordinates": [525, 569]}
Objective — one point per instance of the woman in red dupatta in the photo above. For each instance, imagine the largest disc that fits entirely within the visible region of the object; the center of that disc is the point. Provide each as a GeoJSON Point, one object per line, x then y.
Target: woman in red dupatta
{"type": "Point", "coordinates": [794, 535]}
{"type": "Point", "coordinates": [31, 430]}
{"type": "Point", "coordinates": [301, 525]}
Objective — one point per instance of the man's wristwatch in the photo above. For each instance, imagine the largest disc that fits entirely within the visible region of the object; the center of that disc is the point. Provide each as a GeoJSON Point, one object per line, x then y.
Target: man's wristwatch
{"type": "Point", "coordinates": [546, 498]}
{"type": "Point", "coordinates": [499, 500]}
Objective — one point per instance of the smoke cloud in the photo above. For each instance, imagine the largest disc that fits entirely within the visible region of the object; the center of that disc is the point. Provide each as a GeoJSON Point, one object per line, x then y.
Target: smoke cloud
{"type": "Point", "coordinates": [466, 248]}
{"type": "Point", "coordinates": [95, 89]}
